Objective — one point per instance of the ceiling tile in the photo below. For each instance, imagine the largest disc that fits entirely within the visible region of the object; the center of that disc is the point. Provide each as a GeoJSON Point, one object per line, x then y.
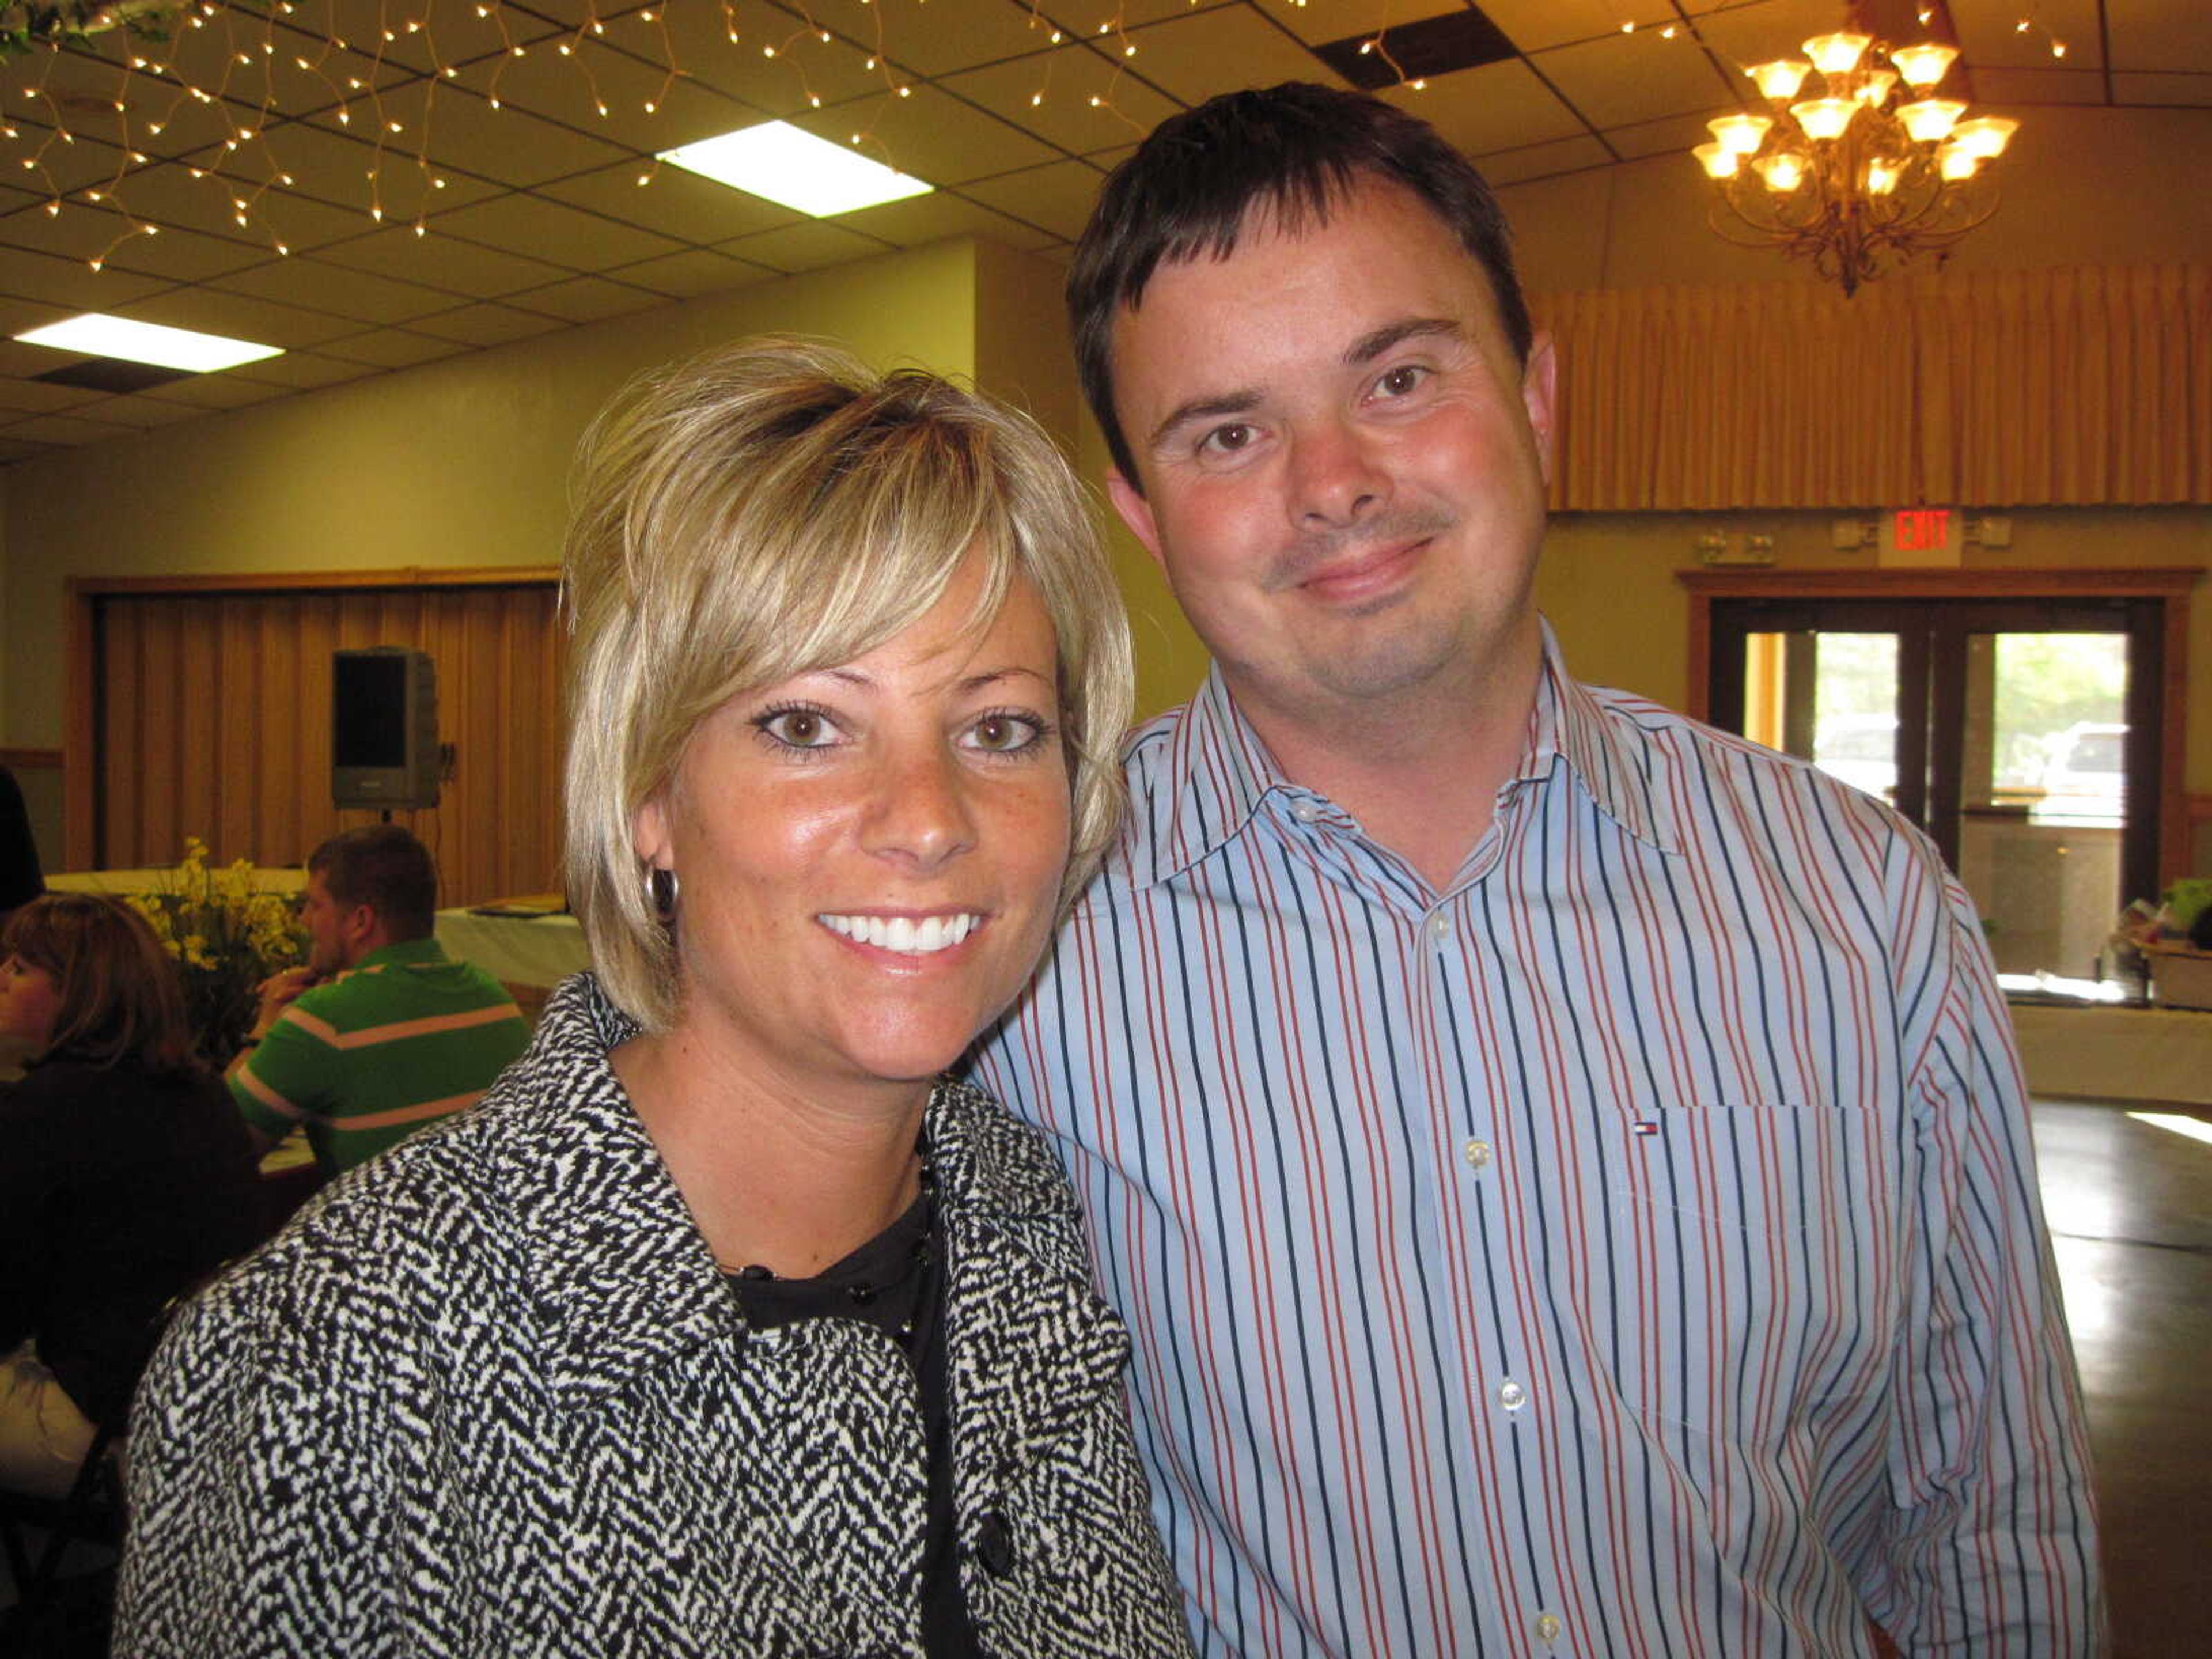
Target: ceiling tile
{"type": "Point", "coordinates": [1058, 197]}
{"type": "Point", "coordinates": [2160, 35]}
{"type": "Point", "coordinates": [392, 348]}
{"type": "Point", "coordinates": [350, 172]}
{"type": "Point", "coordinates": [455, 34]}
{"type": "Point", "coordinates": [170, 196]}
{"type": "Point", "coordinates": [143, 412]}
{"type": "Point", "coordinates": [929, 136]}
{"type": "Point", "coordinates": [225, 390]}
{"type": "Point", "coordinates": [1624, 78]}
{"type": "Point", "coordinates": [1991, 36]}
{"type": "Point", "coordinates": [1675, 134]}
{"type": "Point", "coordinates": [1533, 24]}
{"type": "Point", "coordinates": [1065, 82]}
{"type": "Point", "coordinates": [1998, 88]}
{"type": "Point", "coordinates": [339, 289]}
{"type": "Point", "coordinates": [693, 272]}
{"type": "Point", "coordinates": [809, 245]}
{"type": "Point", "coordinates": [298, 371]}
{"type": "Point", "coordinates": [805, 68]}
{"type": "Point", "coordinates": [445, 263]}
{"type": "Point", "coordinates": [239, 316]}
{"type": "Point", "coordinates": [65, 429]}
{"type": "Point", "coordinates": [12, 450]}
{"type": "Point", "coordinates": [1342, 20]}
{"type": "Point", "coordinates": [1491, 107]}
{"type": "Point", "coordinates": [25, 275]}
{"type": "Point", "coordinates": [587, 299]}
{"type": "Point", "coordinates": [936, 40]}
{"type": "Point", "coordinates": [2190, 89]}
{"type": "Point", "coordinates": [39, 160]}
{"type": "Point", "coordinates": [1192, 59]}
{"type": "Point", "coordinates": [530, 225]}
{"type": "Point", "coordinates": [33, 396]}
{"type": "Point", "coordinates": [465, 133]}
{"type": "Point", "coordinates": [1085, 16]}
{"type": "Point", "coordinates": [676, 204]}
{"type": "Point", "coordinates": [941, 215]}
{"type": "Point", "coordinates": [1541, 161]}
{"type": "Point", "coordinates": [484, 325]}
{"type": "Point", "coordinates": [84, 233]}
{"type": "Point", "coordinates": [608, 93]}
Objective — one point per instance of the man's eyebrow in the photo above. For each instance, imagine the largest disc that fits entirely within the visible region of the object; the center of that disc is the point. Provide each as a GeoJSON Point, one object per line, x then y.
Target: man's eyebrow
{"type": "Point", "coordinates": [1204, 409]}
{"type": "Point", "coordinates": [1370, 346]}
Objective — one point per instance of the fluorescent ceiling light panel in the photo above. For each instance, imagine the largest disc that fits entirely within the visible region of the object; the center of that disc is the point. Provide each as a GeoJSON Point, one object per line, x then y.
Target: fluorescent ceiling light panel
{"type": "Point", "coordinates": [795, 168]}
{"type": "Point", "coordinates": [99, 336]}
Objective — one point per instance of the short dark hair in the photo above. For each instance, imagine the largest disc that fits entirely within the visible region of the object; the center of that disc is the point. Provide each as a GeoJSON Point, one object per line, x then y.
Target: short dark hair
{"type": "Point", "coordinates": [1296, 148]}
{"type": "Point", "coordinates": [386, 868]}
{"type": "Point", "coordinates": [117, 993]}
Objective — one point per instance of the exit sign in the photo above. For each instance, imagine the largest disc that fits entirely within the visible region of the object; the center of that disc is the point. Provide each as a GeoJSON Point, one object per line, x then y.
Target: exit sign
{"type": "Point", "coordinates": [1921, 535]}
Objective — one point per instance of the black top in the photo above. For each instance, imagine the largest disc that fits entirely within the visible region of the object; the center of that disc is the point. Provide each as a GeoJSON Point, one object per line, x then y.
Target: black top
{"type": "Point", "coordinates": [118, 1187]}
{"type": "Point", "coordinates": [895, 1282]}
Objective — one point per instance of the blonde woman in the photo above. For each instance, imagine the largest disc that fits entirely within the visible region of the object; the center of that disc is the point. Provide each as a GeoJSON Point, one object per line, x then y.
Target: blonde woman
{"type": "Point", "coordinates": [724, 1325]}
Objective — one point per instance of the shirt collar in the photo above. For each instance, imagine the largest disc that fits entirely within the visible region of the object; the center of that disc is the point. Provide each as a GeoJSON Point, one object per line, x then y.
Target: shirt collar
{"type": "Point", "coordinates": [425, 952]}
{"type": "Point", "coordinates": [1219, 772]}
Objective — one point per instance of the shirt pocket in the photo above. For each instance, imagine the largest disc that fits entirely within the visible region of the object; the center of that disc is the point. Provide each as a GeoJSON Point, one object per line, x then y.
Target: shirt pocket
{"type": "Point", "coordinates": [1741, 1242]}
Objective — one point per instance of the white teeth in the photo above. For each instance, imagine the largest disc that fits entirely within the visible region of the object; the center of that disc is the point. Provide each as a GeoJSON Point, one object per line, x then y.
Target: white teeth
{"type": "Point", "coordinates": [903, 934]}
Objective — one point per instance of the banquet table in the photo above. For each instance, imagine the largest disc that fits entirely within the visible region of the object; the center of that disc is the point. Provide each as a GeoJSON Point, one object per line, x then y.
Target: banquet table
{"type": "Point", "coordinates": [2083, 1050]}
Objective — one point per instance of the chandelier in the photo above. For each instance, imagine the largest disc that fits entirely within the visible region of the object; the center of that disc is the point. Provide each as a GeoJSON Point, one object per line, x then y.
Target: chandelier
{"type": "Point", "coordinates": [1865, 164]}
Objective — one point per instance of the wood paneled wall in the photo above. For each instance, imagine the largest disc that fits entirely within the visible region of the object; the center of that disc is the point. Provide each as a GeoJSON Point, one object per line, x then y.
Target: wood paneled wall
{"type": "Point", "coordinates": [210, 714]}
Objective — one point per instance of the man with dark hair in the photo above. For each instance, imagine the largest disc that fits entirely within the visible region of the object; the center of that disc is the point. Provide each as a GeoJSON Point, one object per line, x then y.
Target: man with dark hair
{"type": "Point", "coordinates": [380, 1033]}
{"type": "Point", "coordinates": [1564, 1168]}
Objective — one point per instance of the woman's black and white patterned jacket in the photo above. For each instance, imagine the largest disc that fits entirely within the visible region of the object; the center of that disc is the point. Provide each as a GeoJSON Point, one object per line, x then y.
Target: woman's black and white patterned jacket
{"type": "Point", "coordinates": [490, 1395]}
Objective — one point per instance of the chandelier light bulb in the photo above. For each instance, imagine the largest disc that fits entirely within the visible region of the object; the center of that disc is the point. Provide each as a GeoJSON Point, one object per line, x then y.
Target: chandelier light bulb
{"type": "Point", "coordinates": [1826, 117]}
{"type": "Point", "coordinates": [1930, 120]}
{"type": "Point", "coordinates": [1741, 134]}
{"type": "Point", "coordinates": [1839, 53]}
{"type": "Point", "coordinates": [1718, 160]}
{"type": "Point", "coordinates": [1873, 86]}
{"type": "Point", "coordinates": [1781, 78]}
{"type": "Point", "coordinates": [1881, 177]}
{"type": "Point", "coordinates": [1985, 136]}
{"type": "Point", "coordinates": [1924, 65]}
{"type": "Point", "coordinates": [1959, 162]}
{"type": "Point", "coordinates": [1782, 172]}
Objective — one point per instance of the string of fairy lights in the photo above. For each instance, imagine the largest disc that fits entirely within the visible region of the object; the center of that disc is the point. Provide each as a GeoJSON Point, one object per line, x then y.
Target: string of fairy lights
{"type": "Point", "coordinates": [142, 75]}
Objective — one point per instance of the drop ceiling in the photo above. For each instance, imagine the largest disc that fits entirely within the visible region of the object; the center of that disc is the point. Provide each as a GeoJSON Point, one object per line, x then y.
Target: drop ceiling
{"type": "Point", "coordinates": [474, 179]}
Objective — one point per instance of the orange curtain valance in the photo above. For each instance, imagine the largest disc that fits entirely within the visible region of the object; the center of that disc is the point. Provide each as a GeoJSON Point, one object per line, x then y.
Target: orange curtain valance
{"type": "Point", "coordinates": [2065, 386]}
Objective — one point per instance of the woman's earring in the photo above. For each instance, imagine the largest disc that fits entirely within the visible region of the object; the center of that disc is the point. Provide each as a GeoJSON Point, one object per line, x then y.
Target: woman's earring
{"type": "Point", "coordinates": [661, 889]}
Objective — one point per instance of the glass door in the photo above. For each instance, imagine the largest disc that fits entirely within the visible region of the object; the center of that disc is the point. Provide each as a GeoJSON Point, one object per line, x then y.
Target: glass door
{"type": "Point", "coordinates": [2021, 735]}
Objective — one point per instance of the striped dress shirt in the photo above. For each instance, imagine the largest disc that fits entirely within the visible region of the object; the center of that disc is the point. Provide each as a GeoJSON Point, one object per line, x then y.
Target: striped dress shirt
{"type": "Point", "coordinates": [1632, 1250]}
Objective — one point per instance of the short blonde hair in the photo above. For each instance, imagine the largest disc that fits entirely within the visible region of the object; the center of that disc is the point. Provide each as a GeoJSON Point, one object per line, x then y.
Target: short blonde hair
{"type": "Point", "coordinates": [773, 508]}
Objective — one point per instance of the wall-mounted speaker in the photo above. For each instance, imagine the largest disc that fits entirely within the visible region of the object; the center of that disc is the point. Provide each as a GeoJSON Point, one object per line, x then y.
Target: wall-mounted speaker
{"type": "Point", "coordinates": [384, 728]}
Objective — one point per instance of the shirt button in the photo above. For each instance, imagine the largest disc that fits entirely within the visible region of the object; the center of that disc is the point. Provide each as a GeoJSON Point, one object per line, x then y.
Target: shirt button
{"type": "Point", "coordinates": [1477, 1153]}
{"type": "Point", "coordinates": [1305, 812]}
{"type": "Point", "coordinates": [1440, 927]}
{"type": "Point", "coordinates": [1548, 1628]}
{"type": "Point", "coordinates": [994, 1544]}
{"type": "Point", "coordinates": [1512, 1395]}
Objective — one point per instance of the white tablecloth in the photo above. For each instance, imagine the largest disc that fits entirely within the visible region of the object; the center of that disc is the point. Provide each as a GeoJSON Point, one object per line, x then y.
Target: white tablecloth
{"type": "Point", "coordinates": [520, 949]}
{"type": "Point", "coordinates": [2117, 1054]}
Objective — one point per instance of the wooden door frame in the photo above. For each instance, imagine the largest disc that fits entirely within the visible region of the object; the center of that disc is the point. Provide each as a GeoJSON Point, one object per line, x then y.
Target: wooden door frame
{"type": "Point", "coordinates": [80, 718]}
{"type": "Point", "coordinates": [2170, 584]}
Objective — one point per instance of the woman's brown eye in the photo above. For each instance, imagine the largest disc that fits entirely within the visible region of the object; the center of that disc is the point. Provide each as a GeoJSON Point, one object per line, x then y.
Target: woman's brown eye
{"type": "Point", "coordinates": [801, 726]}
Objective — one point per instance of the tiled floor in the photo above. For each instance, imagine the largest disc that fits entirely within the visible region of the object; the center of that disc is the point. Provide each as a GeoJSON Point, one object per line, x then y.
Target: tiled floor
{"type": "Point", "coordinates": [2130, 1213]}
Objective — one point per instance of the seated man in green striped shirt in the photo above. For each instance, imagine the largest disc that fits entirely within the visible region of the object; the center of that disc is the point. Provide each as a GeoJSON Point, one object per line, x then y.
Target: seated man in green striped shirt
{"type": "Point", "coordinates": [381, 1032]}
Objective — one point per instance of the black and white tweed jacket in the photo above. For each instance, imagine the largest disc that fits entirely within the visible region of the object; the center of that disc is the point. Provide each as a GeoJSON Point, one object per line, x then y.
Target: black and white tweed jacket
{"type": "Point", "coordinates": [490, 1395]}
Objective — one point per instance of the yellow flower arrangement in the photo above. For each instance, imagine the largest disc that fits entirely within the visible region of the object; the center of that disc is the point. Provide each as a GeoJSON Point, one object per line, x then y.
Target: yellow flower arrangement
{"type": "Point", "coordinates": [226, 935]}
